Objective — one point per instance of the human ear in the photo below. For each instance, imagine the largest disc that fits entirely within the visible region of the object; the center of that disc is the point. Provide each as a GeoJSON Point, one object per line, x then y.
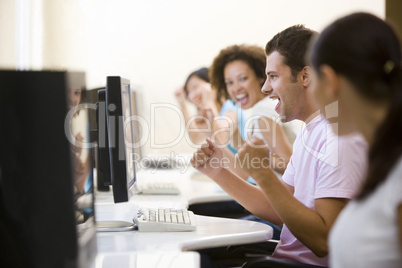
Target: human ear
{"type": "Point", "coordinates": [305, 72]}
{"type": "Point", "coordinates": [330, 82]}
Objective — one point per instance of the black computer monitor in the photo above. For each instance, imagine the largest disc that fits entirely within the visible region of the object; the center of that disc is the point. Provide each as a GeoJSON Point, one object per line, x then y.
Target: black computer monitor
{"type": "Point", "coordinates": [104, 178]}
{"type": "Point", "coordinates": [119, 113]}
{"type": "Point", "coordinates": [46, 200]}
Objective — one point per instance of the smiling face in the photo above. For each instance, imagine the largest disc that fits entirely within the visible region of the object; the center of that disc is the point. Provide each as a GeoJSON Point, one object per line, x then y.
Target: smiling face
{"type": "Point", "coordinates": [197, 89]}
{"type": "Point", "coordinates": [282, 86]}
{"type": "Point", "coordinates": [242, 84]}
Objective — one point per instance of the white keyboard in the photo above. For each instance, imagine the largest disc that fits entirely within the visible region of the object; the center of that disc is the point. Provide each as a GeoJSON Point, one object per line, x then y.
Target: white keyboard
{"type": "Point", "coordinates": [165, 220]}
{"type": "Point", "coordinates": [158, 187]}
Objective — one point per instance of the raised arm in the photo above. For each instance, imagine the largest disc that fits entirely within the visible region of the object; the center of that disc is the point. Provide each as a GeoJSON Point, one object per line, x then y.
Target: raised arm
{"type": "Point", "coordinates": [224, 127]}
{"type": "Point", "coordinates": [310, 226]}
{"type": "Point", "coordinates": [198, 128]}
{"type": "Point", "coordinates": [277, 141]}
{"type": "Point", "coordinates": [210, 160]}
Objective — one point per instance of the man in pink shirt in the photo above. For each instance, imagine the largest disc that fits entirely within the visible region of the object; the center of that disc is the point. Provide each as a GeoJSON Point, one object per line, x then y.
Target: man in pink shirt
{"type": "Point", "coordinates": [324, 172]}
{"type": "Point", "coordinates": [323, 166]}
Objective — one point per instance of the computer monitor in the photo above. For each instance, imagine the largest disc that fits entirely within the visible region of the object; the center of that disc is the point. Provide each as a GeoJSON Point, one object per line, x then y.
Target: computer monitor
{"type": "Point", "coordinates": [119, 113]}
{"type": "Point", "coordinates": [137, 127]}
{"type": "Point", "coordinates": [46, 200]}
{"type": "Point", "coordinates": [95, 98]}
{"type": "Point", "coordinates": [104, 179]}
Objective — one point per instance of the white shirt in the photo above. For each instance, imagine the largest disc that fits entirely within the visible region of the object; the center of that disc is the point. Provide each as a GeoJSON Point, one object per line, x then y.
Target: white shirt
{"type": "Point", "coordinates": [366, 232]}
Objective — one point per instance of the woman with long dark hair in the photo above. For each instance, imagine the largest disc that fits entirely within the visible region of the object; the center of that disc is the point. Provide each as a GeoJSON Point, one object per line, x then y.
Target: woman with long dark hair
{"type": "Point", "coordinates": [357, 61]}
{"type": "Point", "coordinates": [198, 91]}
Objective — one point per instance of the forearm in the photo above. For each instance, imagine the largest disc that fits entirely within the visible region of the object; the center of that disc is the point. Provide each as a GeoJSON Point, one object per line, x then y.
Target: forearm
{"type": "Point", "coordinates": [221, 132]}
{"type": "Point", "coordinates": [197, 132]}
{"type": "Point", "coordinates": [305, 224]}
{"type": "Point", "coordinates": [249, 196]}
{"type": "Point", "coordinates": [282, 147]}
{"type": "Point", "coordinates": [184, 110]}
{"type": "Point", "coordinates": [224, 127]}
{"type": "Point", "coordinates": [198, 136]}
{"type": "Point", "coordinates": [232, 166]}
{"type": "Point", "coordinates": [278, 163]}
{"type": "Point", "coordinates": [278, 144]}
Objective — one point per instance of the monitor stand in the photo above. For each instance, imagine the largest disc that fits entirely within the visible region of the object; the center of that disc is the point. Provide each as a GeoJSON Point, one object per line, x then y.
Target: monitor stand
{"type": "Point", "coordinates": [115, 226]}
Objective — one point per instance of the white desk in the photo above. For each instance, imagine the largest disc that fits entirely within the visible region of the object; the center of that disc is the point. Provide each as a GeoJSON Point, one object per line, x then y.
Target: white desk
{"type": "Point", "coordinates": [211, 232]}
{"type": "Point", "coordinates": [172, 249]}
{"type": "Point", "coordinates": [194, 186]}
{"type": "Point", "coordinates": [147, 259]}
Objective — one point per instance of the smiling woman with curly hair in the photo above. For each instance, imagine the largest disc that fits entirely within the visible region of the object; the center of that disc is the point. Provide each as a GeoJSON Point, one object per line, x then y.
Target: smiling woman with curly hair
{"type": "Point", "coordinates": [238, 72]}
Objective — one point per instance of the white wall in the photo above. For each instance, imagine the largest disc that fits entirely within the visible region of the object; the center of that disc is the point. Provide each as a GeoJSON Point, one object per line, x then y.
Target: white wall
{"type": "Point", "coordinates": [7, 36]}
{"type": "Point", "coordinates": [157, 43]}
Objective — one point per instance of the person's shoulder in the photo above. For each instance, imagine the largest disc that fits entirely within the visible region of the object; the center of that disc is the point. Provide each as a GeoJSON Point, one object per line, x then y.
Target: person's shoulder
{"type": "Point", "coordinates": [228, 105]}
{"type": "Point", "coordinates": [354, 138]}
{"type": "Point", "coordinates": [324, 135]}
{"type": "Point", "coordinates": [354, 141]}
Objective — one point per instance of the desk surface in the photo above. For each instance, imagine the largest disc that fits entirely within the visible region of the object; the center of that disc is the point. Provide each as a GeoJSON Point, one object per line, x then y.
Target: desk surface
{"type": "Point", "coordinates": [194, 186]}
{"type": "Point", "coordinates": [147, 259]}
{"type": "Point", "coordinates": [211, 232]}
{"type": "Point", "coordinates": [172, 247]}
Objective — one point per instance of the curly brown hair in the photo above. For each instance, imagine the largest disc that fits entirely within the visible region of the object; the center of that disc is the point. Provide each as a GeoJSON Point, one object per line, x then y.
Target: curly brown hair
{"type": "Point", "coordinates": [254, 56]}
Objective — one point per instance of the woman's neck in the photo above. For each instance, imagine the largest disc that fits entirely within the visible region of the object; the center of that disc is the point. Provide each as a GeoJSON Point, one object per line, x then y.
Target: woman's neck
{"type": "Point", "coordinates": [371, 119]}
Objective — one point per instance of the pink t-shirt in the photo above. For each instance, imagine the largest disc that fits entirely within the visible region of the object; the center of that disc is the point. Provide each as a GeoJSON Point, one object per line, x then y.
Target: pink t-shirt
{"type": "Point", "coordinates": [323, 165]}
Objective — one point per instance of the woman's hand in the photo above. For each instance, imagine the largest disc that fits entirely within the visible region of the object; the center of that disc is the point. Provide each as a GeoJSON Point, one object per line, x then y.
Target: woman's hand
{"type": "Point", "coordinates": [180, 95]}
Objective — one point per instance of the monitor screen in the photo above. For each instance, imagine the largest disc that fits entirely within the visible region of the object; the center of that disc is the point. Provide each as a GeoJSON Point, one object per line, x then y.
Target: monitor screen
{"type": "Point", "coordinates": [138, 132]}
{"type": "Point", "coordinates": [128, 129]}
{"type": "Point", "coordinates": [46, 197]}
{"type": "Point", "coordinates": [119, 113]}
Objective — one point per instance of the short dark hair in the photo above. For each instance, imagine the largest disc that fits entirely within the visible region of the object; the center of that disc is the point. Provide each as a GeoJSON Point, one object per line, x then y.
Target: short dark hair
{"type": "Point", "coordinates": [202, 73]}
{"type": "Point", "coordinates": [292, 43]}
{"type": "Point", "coordinates": [253, 55]}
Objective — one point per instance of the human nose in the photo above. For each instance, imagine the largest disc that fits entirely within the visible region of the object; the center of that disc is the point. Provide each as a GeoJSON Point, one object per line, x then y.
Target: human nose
{"type": "Point", "coordinates": [266, 87]}
{"type": "Point", "coordinates": [236, 87]}
{"type": "Point", "coordinates": [190, 96]}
